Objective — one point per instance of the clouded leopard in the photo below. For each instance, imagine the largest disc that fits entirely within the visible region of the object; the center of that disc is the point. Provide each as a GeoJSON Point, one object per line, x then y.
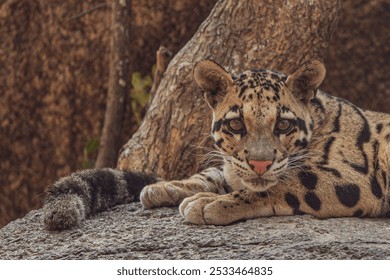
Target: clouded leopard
{"type": "Point", "coordinates": [287, 148]}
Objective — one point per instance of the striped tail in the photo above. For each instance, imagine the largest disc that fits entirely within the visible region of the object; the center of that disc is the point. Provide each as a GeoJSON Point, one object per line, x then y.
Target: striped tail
{"type": "Point", "coordinates": [72, 199]}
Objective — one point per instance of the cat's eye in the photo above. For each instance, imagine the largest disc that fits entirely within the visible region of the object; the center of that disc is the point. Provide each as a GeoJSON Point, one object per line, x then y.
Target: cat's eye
{"type": "Point", "coordinates": [235, 125]}
{"type": "Point", "coordinates": [283, 125]}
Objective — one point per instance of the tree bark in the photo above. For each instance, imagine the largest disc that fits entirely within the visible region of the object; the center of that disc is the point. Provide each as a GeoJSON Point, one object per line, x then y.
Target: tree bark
{"type": "Point", "coordinates": [118, 85]}
{"type": "Point", "coordinates": [240, 35]}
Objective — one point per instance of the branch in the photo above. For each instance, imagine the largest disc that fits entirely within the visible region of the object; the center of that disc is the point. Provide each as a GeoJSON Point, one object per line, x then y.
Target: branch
{"type": "Point", "coordinates": [102, 5]}
{"type": "Point", "coordinates": [163, 57]}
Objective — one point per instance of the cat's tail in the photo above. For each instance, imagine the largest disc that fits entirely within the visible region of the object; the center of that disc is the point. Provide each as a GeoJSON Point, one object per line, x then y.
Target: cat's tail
{"type": "Point", "coordinates": [72, 199]}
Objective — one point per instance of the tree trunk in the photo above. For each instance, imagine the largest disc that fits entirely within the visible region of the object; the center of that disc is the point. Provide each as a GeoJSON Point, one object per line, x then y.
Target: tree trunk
{"type": "Point", "coordinates": [118, 84]}
{"type": "Point", "coordinates": [240, 35]}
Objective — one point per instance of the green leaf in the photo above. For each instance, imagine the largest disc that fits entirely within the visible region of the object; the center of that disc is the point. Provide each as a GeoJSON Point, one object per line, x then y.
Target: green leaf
{"type": "Point", "coordinates": [90, 151]}
{"type": "Point", "coordinates": [140, 94]}
{"type": "Point", "coordinates": [92, 145]}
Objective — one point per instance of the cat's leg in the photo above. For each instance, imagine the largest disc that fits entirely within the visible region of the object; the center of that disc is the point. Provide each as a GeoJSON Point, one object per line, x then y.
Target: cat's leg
{"type": "Point", "coordinates": [171, 193]}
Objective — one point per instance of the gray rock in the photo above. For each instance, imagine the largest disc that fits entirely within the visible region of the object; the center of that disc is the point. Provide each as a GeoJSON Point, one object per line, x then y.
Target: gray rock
{"type": "Point", "coordinates": [128, 232]}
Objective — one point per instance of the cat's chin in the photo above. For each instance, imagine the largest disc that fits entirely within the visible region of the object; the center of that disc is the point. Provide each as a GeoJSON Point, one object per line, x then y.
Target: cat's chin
{"type": "Point", "coordinates": [256, 185]}
{"type": "Point", "coordinates": [259, 184]}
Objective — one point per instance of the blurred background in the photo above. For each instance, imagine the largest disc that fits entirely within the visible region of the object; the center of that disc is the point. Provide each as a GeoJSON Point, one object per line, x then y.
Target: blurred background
{"type": "Point", "coordinates": [54, 58]}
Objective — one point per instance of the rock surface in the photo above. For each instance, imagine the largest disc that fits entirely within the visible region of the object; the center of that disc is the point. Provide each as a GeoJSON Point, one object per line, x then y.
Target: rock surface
{"type": "Point", "coordinates": [128, 232]}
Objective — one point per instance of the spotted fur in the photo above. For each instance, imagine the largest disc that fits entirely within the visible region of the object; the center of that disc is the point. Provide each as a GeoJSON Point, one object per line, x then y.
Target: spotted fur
{"type": "Point", "coordinates": [287, 149]}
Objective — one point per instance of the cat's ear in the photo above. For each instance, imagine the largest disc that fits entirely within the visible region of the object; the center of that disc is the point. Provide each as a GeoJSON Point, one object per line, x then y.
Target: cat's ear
{"type": "Point", "coordinates": [214, 80]}
{"type": "Point", "coordinates": [304, 82]}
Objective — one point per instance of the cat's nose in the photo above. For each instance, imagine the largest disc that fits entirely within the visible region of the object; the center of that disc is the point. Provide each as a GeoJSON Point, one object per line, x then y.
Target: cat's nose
{"type": "Point", "coordinates": [260, 167]}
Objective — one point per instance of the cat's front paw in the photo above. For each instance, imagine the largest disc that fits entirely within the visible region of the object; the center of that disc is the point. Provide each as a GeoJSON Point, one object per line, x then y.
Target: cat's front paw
{"type": "Point", "coordinates": [163, 194]}
{"type": "Point", "coordinates": [212, 209]}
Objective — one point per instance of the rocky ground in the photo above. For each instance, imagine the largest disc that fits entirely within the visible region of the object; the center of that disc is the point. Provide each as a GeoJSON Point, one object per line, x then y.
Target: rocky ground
{"type": "Point", "coordinates": [128, 232]}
